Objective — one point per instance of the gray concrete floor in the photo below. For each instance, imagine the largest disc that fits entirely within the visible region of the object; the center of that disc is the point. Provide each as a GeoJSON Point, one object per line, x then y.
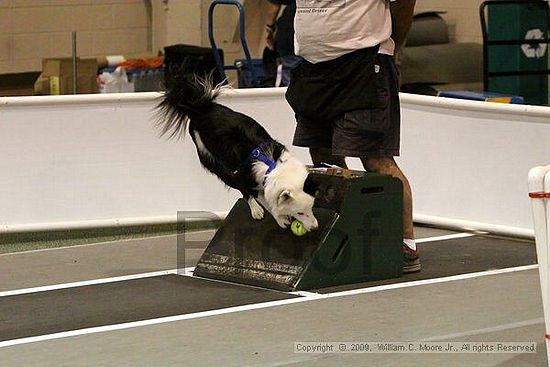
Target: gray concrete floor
{"type": "Point", "coordinates": [103, 260]}
{"type": "Point", "coordinates": [266, 337]}
{"type": "Point", "coordinates": [96, 261]}
{"type": "Point", "coordinates": [505, 307]}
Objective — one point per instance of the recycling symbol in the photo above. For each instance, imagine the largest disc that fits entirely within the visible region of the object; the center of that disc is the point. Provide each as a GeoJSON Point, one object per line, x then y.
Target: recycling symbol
{"type": "Point", "coordinates": [532, 50]}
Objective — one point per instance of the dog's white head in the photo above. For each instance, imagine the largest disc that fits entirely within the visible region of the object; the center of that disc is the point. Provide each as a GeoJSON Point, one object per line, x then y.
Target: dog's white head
{"type": "Point", "coordinates": [284, 193]}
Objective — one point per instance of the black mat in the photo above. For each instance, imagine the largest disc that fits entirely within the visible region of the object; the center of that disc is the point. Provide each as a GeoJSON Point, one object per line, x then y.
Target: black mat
{"type": "Point", "coordinates": [113, 303]}
{"type": "Point", "coordinates": [461, 256]}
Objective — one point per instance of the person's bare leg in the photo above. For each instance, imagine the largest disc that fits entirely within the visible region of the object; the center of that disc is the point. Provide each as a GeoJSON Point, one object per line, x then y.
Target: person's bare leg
{"type": "Point", "coordinates": [389, 166]}
{"type": "Point", "coordinates": [324, 155]}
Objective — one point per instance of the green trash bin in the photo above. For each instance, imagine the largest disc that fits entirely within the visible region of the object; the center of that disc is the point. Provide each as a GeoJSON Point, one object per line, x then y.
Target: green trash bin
{"type": "Point", "coordinates": [515, 37]}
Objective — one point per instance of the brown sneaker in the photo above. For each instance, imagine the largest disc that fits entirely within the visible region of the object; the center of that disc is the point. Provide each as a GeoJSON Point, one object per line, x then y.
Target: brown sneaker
{"type": "Point", "coordinates": [411, 260]}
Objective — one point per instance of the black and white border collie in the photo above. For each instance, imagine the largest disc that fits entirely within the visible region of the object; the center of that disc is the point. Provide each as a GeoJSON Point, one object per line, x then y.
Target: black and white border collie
{"type": "Point", "coordinates": [238, 150]}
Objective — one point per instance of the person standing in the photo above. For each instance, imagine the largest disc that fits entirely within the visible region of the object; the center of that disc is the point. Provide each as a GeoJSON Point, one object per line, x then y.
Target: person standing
{"type": "Point", "coordinates": [280, 36]}
{"type": "Point", "coordinates": [345, 92]}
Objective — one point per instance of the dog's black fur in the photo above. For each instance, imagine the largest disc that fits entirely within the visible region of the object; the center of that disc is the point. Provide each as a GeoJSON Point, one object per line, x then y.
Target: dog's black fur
{"type": "Point", "coordinates": [229, 136]}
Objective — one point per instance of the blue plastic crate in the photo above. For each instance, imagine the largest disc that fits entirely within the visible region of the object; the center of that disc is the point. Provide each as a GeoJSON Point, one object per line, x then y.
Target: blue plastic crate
{"type": "Point", "coordinates": [245, 77]}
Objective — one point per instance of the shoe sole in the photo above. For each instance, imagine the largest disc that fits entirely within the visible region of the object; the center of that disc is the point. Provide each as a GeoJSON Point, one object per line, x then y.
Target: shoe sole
{"type": "Point", "coordinates": [414, 268]}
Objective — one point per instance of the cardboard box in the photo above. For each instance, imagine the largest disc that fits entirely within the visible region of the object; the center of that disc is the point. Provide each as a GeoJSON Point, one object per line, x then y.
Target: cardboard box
{"type": "Point", "coordinates": [57, 76]}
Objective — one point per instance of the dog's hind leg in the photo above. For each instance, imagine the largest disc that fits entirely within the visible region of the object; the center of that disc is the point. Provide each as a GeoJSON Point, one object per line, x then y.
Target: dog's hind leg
{"type": "Point", "coordinates": [256, 209]}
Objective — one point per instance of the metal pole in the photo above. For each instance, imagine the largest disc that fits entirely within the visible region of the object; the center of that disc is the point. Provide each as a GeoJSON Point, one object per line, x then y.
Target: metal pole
{"type": "Point", "coordinates": [75, 68]}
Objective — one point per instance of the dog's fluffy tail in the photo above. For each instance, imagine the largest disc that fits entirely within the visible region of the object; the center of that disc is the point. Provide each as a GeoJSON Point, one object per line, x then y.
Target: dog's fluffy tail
{"type": "Point", "coordinates": [186, 95]}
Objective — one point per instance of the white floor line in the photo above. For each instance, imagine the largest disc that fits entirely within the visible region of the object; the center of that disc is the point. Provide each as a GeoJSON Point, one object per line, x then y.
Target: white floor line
{"type": "Point", "coordinates": [84, 245]}
{"type": "Point", "coordinates": [420, 240]}
{"type": "Point", "coordinates": [307, 294]}
{"type": "Point", "coordinates": [157, 321]}
{"type": "Point", "coordinates": [417, 283]}
{"type": "Point", "coordinates": [103, 243]}
{"type": "Point", "coordinates": [45, 288]}
{"type": "Point", "coordinates": [445, 237]}
{"type": "Point", "coordinates": [258, 306]}
{"type": "Point", "coordinates": [493, 329]}
{"type": "Point", "coordinates": [187, 272]}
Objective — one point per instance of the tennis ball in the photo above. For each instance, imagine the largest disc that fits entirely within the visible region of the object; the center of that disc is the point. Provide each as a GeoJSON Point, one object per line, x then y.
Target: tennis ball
{"type": "Point", "coordinates": [298, 228]}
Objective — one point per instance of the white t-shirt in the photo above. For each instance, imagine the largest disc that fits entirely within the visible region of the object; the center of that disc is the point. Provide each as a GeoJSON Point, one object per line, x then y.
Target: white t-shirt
{"type": "Point", "coordinates": [327, 29]}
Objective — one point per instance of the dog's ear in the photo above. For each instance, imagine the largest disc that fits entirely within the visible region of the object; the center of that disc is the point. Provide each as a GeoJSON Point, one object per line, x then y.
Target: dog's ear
{"type": "Point", "coordinates": [284, 196]}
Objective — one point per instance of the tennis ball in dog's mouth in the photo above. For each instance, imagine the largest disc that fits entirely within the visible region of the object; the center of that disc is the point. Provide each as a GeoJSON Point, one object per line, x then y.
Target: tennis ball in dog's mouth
{"type": "Point", "coordinates": [298, 228]}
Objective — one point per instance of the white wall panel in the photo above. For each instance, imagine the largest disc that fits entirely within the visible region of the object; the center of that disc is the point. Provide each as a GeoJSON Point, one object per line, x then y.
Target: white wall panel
{"type": "Point", "coordinates": [70, 160]}
{"type": "Point", "coordinates": [468, 161]}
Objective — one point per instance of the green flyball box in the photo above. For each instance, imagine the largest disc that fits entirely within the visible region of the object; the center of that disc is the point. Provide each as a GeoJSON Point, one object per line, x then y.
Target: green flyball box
{"type": "Point", "coordinates": [359, 239]}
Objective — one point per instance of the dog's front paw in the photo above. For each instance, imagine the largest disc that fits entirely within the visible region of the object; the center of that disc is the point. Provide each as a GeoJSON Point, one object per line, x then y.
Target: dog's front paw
{"type": "Point", "coordinates": [256, 209]}
{"type": "Point", "coordinates": [283, 221]}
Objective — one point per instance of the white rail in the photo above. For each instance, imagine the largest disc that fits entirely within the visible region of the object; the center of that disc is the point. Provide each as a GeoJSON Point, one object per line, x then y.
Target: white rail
{"type": "Point", "coordinates": [96, 160]}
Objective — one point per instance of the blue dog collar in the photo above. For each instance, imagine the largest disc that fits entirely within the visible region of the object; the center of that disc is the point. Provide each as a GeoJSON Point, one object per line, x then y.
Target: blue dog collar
{"type": "Point", "coordinates": [258, 153]}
